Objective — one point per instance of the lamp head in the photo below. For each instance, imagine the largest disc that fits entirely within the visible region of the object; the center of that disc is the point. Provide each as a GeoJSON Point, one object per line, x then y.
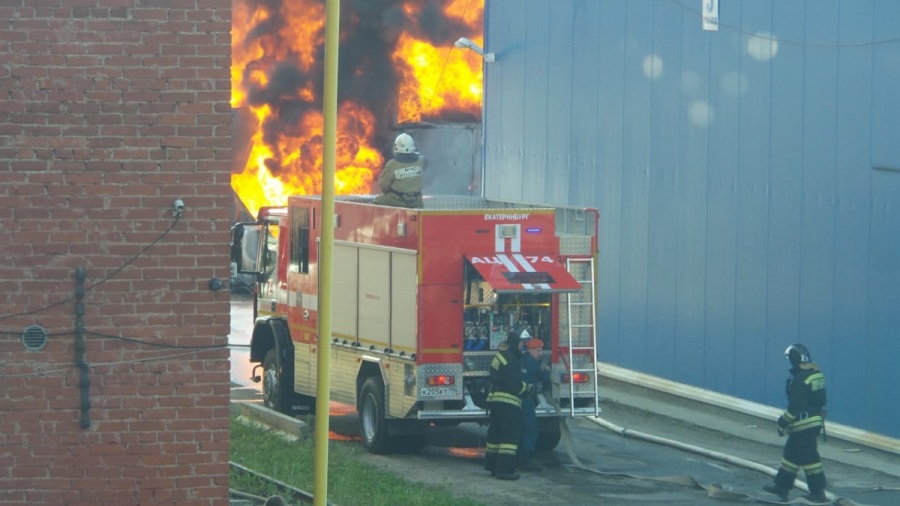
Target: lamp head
{"type": "Point", "coordinates": [464, 43]}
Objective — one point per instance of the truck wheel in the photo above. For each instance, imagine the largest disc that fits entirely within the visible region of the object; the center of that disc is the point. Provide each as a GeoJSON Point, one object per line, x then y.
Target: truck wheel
{"type": "Point", "coordinates": [549, 435]}
{"type": "Point", "coordinates": [372, 422]}
{"type": "Point", "coordinates": [275, 392]}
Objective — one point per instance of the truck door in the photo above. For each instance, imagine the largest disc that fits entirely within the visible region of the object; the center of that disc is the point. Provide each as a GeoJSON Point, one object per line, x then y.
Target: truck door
{"type": "Point", "coordinates": [254, 250]}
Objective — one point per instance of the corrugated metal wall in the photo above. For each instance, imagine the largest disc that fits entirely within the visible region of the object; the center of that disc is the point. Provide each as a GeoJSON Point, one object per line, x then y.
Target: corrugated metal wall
{"type": "Point", "coordinates": [748, 181]}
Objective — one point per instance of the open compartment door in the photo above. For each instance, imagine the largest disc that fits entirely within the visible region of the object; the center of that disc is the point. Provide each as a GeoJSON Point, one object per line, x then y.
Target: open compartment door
{"type": "Point", "coordinates": [523, 273]}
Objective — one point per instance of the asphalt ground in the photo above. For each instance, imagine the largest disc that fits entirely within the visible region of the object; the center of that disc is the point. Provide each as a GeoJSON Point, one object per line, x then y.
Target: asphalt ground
{"type": "Point", "coordinates": [857, 474]}
{"type": "Point", "coordinates": [647, 447]}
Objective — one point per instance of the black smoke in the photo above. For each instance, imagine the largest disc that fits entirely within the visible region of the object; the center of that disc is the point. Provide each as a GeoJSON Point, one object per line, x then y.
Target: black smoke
{"type": "Point", "coordinates": [370, 30]}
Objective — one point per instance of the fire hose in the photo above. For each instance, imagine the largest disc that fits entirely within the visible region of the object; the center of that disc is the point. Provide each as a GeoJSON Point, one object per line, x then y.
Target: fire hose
{"type": "Point", "coordinates": [713, 490]}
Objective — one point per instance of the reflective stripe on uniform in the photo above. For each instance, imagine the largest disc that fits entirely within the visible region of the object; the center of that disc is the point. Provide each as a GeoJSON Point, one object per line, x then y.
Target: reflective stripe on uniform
{"type": "Point", "coordinates": [815, 468]}
{"type": "Point", "coordinates": [505, 397]}
{"type": "Point", "coordinates": [789, 466]}
{"type": "Point", "coordinates": [815, 381]}
{"type": "Point", "coordinates": [806, 423]}
{"type": "Point", "coordinates": [508, 449]}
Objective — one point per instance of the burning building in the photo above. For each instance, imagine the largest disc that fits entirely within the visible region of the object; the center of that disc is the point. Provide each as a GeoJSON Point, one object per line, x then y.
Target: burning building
{"type": "Point", "coordinates": [398, 70]}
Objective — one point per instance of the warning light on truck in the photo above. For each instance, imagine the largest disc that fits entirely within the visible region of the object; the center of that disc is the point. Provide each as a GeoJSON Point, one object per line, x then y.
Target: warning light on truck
{"type": "Point", "coordinates": [441, 380]}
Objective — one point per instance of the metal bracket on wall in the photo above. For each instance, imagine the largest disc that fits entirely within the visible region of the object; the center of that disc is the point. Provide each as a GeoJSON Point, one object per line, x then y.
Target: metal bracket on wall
{"type": "Point", "coordinates": [85, 382]}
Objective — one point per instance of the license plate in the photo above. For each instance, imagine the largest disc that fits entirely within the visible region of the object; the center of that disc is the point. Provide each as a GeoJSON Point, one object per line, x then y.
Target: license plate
{"type": "Point", "coordinates": [435, 392]}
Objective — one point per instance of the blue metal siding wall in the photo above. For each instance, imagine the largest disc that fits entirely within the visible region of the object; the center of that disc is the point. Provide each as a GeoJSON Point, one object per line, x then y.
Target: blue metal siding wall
{"type": "Point", "coordinates": [741, 208]}
{"type": "Point", "coordinates": [883, 259]}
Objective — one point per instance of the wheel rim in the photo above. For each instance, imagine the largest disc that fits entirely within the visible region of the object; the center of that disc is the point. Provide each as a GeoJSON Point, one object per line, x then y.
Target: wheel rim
{"type": "Point", "coordinates": [270, 386]}
{"type": "Point", "coordinates": [368, 417]}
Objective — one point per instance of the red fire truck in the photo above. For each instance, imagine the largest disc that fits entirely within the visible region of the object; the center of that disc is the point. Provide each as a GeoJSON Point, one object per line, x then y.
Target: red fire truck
{"type": "Point", "coordinates": [421, 299]}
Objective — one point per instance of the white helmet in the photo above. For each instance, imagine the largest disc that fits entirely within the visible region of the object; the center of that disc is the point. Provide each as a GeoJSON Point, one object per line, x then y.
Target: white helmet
{"type": "Point", "coordinates": [404, 144]}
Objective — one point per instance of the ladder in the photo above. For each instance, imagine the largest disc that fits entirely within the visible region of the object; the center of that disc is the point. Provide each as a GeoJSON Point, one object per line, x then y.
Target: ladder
{"type": "Point", "coordinates": [582, 335]}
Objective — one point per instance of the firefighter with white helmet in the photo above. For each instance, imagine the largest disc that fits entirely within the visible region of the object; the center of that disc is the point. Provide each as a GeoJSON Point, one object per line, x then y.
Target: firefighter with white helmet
{"type": "Point", "coordinates": [802, 420]}
{"type": "Point", "coordinates": [401, 180]}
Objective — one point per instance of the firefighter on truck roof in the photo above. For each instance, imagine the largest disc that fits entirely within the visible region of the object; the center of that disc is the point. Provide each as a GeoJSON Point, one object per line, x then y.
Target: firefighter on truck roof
{"type": "Point", "coordinates": [401, 180]}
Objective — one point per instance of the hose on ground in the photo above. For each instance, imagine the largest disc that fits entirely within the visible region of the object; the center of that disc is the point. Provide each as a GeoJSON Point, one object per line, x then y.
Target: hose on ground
{"type": "Point", "coordinates": [712, 490]}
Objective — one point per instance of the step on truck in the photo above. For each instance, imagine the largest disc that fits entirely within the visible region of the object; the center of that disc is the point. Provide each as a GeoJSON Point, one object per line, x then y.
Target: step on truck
{"type": "Point", "coordinates": [421, 298]}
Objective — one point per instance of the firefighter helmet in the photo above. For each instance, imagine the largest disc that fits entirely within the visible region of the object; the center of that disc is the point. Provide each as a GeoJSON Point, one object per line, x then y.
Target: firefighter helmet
{"type": "Point", "coordinates": [517, 335]}
{"type": "Point", "coordinates": [797, 354]}
{"type": "Point", "coordinates": [404, 144]}
{"type": "Point", "coordinates": [534, 344]}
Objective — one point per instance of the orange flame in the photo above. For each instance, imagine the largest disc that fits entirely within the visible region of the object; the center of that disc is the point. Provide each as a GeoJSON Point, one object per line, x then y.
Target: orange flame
{"type": "Point", "coordinates": [297, 40]}
{"type": "Point", "coordinates": [437, 79]}
{"type": "Point", "coordinates": [284, 151]}
{"type": "Point", "coordinates": [469, 453]}
{"type": "Point", "coordinates": [334, 436]}
{"type": "Point", "coordinates": [434, 81]}
{"type": "Point", "coordinates": [293, 166]}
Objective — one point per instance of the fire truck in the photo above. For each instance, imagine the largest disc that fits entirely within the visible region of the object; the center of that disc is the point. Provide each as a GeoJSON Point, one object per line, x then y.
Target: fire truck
{"type": "Point", "coordinates": [421, 299]}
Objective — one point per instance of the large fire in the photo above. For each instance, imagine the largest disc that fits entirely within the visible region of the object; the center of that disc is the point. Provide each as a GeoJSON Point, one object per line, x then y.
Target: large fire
{"type": "Point", "coordinates": [397, 64]}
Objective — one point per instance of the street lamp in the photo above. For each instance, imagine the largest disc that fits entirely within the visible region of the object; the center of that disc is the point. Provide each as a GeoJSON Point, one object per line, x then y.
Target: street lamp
{"type": "Point", "coordinates": [464, 43]}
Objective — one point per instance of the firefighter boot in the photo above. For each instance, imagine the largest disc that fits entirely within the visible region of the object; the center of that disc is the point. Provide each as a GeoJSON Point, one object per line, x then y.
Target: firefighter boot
{"type": "Point", "coordinates": [490, 462]}
{"type": "Point", "coordinates": [505, 466]}
{"type": "Point", "coordinates": [816, 483]}
{"type": "Point", "coordinates": [527, 463]}
{"type": "Point", "coordinates": [507, 475]}
{"type": "Point", "coordinates": [782, 493]}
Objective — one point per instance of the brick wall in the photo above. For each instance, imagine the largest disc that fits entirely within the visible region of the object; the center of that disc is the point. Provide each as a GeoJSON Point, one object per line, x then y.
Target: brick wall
{"type": "Point", "coordinates": [109, 111]}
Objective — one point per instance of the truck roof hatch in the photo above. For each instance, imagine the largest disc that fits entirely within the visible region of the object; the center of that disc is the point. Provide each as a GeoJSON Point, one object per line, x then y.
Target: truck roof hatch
{"type": "Point", "coordinates": [523, 272]}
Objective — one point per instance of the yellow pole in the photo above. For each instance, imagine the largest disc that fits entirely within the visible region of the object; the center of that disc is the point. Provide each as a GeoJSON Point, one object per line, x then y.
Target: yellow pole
{"type": "Point", "coordinates": [326, 249]}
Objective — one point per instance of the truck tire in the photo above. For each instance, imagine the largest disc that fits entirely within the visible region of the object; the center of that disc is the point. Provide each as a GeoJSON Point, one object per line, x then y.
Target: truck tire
{"type": "Point", "coordinates": [549, 434]}
{"type": "Point", "coordinates": [372, 423]}
{"type": "Point", "coordinates": [276, 393]}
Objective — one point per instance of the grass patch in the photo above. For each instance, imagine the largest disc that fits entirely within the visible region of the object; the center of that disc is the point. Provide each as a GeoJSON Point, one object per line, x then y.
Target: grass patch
{"type": "Point", "coordinates": [350, 481]}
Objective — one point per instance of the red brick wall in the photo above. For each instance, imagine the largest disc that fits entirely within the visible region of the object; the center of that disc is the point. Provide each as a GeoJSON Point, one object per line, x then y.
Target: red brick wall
{"type": "Point", "coordinates": [109, 111]}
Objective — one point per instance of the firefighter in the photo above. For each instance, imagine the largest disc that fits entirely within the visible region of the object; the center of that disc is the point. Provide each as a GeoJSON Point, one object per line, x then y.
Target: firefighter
{"type": "Point", "coordinates": [535, 373]}
{"type": "Point", "coordinates": [505, 408]}
{"type": "Point", "coordinates": [802, 421]}
{"type": "Point", "coordinates": [401, 179]}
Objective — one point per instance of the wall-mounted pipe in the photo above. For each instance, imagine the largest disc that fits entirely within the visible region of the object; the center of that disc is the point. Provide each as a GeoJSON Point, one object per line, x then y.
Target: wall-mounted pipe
{"type": "Point", "coordinates": [85, 379]}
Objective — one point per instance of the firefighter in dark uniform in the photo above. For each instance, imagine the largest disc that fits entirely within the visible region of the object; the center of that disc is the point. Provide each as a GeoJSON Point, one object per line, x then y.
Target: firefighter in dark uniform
{"type": "Point", "coordinates": [505, 409]}
{"type": "Point", "coordinates": [401, 180]}
{"type": "Point", "coordinates": [536, 373]}
{"type": "Point", "coordinates": [803, 420]}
